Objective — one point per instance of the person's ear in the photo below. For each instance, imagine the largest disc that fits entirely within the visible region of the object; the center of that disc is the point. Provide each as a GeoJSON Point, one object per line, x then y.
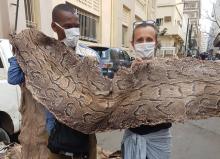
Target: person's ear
{"type": "Point", "coordinates": [54, 27]}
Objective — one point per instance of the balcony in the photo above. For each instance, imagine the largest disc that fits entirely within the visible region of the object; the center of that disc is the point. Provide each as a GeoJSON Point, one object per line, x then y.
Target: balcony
{"type": "Point", "coordinates": [174, 30]}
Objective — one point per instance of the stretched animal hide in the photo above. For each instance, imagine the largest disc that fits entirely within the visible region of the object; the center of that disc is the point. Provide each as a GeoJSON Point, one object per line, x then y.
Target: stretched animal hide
{"type": "Point", "coordinates": [154, 92]}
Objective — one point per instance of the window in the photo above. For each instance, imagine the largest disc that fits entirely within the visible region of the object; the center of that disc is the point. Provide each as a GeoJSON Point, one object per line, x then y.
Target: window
{"type": "Point", "coordinates": [1, 64]}
{"type": "Point", "coordinates": [191, 5]}
{"type": "Point", "coordinates": [126, 16]}
{"type": "Point", "coordinates": [159, 21]}
{"type": "Point", "coordinates": [138, 19]}
{"type": "Point", "coordinates": [105, 54]}
{"type": "Point", "coordinates": [114, 55]}
{"type": "Point", "coordinates": [167, 19]}
{"type": "Point", "coordinates": [124, 36]}
{"type": "Point", "coordinates": [125, 23]}
{"type": "Point", "coordinates": [121, 55]}
{"type": "Point", "coordinates": [88, 25]}
{"type": "Point", "coordinates": [29, 14]}
{"type": "Point", "coordinates": [193, 14]}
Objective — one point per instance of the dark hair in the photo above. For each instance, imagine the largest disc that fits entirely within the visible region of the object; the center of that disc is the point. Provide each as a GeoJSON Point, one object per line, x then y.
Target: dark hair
{"type": "Point", "coordinates": [143, 25]}
{"type": "Point", "coordinates": [61, 7]}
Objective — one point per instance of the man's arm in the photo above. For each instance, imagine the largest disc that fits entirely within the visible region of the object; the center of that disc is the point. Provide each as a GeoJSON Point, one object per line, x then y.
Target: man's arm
{"type": "Point", "coordinates": [15, 74]}
{"type": "Point", "coordinates": [50, 121]}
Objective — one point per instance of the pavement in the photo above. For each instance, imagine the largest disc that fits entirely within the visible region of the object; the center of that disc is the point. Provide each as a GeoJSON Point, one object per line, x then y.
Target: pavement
{"type": "Point", "coordinates": [191, 140]}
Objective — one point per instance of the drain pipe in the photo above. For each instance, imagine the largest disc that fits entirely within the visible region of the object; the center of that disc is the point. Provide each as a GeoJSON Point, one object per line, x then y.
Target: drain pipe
{"type": "Point", "coordinates": [16, 18]}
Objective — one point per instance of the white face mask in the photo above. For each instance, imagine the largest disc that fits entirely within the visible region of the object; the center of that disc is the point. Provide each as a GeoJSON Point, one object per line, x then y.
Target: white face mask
{"type": "Point", "coordinates": [145, 50]}
{"type": "Point", "coordinates": [72, 36]}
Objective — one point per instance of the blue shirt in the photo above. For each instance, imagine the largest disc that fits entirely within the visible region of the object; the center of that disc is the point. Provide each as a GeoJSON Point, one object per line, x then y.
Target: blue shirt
{"type": "Point", "coordinates": [16, 76]}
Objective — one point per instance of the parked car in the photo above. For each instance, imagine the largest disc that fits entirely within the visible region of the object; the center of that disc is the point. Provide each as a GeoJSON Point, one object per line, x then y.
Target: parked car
{"type": "Point", "coordinates": [217, 56]}
{"type": "Point", "coordinates": [111, 59]}
{"type": "Point", "coordinates": [83, 50]}
{"type": "Point", "coordinates": [9, 97]}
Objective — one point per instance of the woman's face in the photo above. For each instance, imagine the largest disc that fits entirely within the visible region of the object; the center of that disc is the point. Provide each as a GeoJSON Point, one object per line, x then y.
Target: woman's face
{"type": "Point", "coordinates": [144, 35]}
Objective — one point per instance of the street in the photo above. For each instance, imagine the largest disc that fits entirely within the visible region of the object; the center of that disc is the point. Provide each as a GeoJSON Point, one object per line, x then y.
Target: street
{"type": "Point", "coordinates": [192, 140]}
{"type": "Point", "coordinates": [96, 65]}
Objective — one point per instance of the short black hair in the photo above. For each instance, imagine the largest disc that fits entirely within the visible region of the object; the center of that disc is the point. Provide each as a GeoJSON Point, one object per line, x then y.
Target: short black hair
{"type": "Point", "coordinates": [62, 7]}
{"type": "Point", "coordinates": [143, 25]}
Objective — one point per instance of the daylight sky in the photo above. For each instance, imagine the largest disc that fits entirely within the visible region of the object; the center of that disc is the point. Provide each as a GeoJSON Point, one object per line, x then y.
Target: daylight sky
{"type": "Point", "coordinates": [206, 8]}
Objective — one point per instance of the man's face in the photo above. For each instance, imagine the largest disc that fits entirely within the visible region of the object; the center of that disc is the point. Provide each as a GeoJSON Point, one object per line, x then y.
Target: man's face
{"type": "Point", "coordinates": [144, 35]}
{"type": "Point", "coordinates": [67, 20]}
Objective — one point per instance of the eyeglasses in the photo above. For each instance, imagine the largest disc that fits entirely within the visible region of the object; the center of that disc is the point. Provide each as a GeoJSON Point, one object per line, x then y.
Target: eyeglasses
{"type": "Point", "coordinates": [135, 24]}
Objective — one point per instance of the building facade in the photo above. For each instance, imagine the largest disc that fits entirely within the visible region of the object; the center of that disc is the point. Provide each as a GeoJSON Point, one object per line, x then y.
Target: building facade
{"type": "Point", "coordinates": [8, 17]}
{"type": "Point", "coordinates": [103, 22]}
{"type": "Point", "coordinates": [192, 8]}
{"type": "Point", "coordinates": [204, 42]}
{"type": "Point", "coordinates": [171, 20]}
{"type": "Point", "coordinates": [215, 28]}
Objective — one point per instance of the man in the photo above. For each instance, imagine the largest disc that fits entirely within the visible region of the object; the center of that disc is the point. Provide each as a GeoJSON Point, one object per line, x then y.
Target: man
{"type": "Point", "coordinates": [33, 136]}
{"type": "Point", "coordinates": [146, 142]}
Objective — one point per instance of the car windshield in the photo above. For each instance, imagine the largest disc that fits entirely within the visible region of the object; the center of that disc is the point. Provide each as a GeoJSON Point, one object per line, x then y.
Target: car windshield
{"type": "Point", "coordinates": [105, 54]}
{"type": "Point", "coordinates": [127, 57]}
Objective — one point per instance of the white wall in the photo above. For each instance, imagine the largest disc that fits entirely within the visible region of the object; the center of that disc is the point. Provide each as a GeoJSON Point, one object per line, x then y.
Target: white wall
{"type": "Point", "coordinates": [46, 7]}
{"type": "Point", "coordinates": [7, 17]}
{"type": "Point", "coordinates": [106, 22]}
{"type": "Point", "coordinates": [4, 19]}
